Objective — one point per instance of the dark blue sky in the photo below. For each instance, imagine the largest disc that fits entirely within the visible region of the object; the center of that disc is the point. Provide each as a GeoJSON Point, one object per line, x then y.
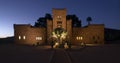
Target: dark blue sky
{"type": "Point", "coordinates": [28, 11]}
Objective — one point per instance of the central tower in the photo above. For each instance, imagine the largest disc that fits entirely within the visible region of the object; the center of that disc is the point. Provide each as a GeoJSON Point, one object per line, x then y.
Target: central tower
{"type": "Point", "coordinates": [59, 18]}
{"type": "Point", "coordinates": [59, 23]}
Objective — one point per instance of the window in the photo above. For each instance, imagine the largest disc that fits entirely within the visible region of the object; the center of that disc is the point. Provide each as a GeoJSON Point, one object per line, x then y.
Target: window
{"type": "Point", "coordinates": [59, 17]}
{"type": "Point", "coordinates": [59, 26]}
{"type": "Point", "coordinates": [59, 22]}
{"type": "Point", "coordinates": [19, 37]}
{"type": "Point", "coordinates": [79, 38]}
{"type": "Point", "coordinates": [38, 38]}
{"type": "Point", "coordinates": [24, 37]}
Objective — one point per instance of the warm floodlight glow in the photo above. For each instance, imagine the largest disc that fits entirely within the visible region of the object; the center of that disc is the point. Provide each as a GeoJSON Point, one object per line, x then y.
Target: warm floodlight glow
{"type": "Point", "coordinates": [59, 35]}
{"type": "Point", "coordinates": [54, 35]}
{"type": "Point", "coordinates": [63, 35]}
{"type": "Point", "coordinates": [66, 46]}
{"type": "Point", "coordinates": [56, 44]}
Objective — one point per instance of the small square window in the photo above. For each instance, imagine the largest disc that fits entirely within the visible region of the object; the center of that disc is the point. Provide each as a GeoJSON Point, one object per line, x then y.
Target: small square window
{"type": "Point", "coordinates": [58, 16]}
{"type": "Point", "coordinates": [79, 38]}
{"type": "Point", "coordinates": [38, 38]}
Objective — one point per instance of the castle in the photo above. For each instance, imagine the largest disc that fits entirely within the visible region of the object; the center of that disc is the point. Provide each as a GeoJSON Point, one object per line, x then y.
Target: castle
{"type": "Point", "coordinates": [30, 35]}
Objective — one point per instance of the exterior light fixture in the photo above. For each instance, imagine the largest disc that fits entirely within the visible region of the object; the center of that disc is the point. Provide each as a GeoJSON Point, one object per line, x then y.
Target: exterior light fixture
{"type": "Point", "coordinates": [24, 37]}
{"type": "Point", "coordinates": [19, 37]}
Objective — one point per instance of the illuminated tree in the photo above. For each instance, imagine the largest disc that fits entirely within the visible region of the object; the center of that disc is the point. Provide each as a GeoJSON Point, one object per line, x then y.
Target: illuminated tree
{"type": "Point", "coordinates": [59, 34]}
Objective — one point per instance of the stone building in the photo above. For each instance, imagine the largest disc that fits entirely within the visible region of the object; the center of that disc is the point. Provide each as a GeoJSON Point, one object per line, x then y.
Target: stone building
{"type": "Point", "coordinates": [30, 35]}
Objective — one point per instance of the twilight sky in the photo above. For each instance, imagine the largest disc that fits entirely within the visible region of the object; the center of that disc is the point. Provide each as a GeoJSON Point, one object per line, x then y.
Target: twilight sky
{"type": "Point", "coordinates": [28, 11]}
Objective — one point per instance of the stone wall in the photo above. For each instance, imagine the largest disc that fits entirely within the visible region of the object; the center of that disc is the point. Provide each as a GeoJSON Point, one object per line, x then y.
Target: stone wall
{"type": "Point", "coordinates": [69, 30]}
{"type": "Point", "coordinates": [49, 31]}
{"type": "Point", "coordinates": [59, 15]}
{"type": "Point", "coordinates": [76, 32]}
{"type": "Point", "coordinates": [26, 34]}
{"type": "Point", "coordinates": [91, 34]}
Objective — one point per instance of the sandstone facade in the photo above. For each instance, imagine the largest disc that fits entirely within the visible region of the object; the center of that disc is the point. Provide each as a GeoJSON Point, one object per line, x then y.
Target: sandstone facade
{"type": "Point", "coordinates": [29, 35]}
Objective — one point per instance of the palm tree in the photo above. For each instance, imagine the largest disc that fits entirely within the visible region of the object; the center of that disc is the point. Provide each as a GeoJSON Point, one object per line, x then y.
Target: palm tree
{"type": "Point", "coordinates": [89, 19]}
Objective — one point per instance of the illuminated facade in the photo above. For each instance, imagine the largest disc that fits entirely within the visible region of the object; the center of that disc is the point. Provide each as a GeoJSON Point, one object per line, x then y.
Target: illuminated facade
{"type": "Point", "coordinates": [29, 35]}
